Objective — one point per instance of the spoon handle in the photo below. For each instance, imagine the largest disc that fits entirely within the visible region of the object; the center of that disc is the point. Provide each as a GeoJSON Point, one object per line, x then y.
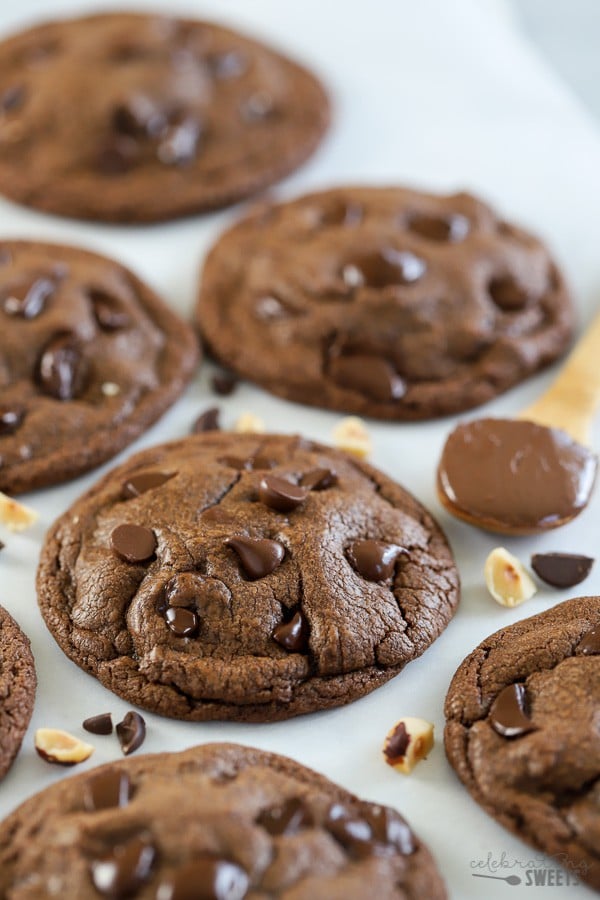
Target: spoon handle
{"type": "Point", "coordinates": [571, 401]}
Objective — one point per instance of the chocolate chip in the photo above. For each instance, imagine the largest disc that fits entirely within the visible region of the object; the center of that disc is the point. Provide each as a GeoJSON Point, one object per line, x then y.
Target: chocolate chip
{"type": "Point", "coordinates": [508, 294]}
{"type": "Point", "coordinates": [452, 228]}
{"type": "Point", "coordinates": [10, 418]}
{"type": "Point", "coordinates": [383, 268]}
{"type": "Point", "coordinates": [508, 714]}
{"type": "Point", "coordinates": [224, 383]}
{"type": "Point", "coordinates": [561, 570]}
{"type": "Point", "coordinates": [2, 545]}
{"type": "Point", "coordinates": [109, 789]}
{"type": "Point", "coordinates": [238, 463]}
{"type": "Point", "coordinates": [257, 107]}
{"type": "Point", "coordinates": [351, 831]}
{"type": "Point", "coordinates": [319, 479]}
{"type": "Point", "coordinates": [125, 870]}
{"type": "Point", "coordinates": [107, 312]}
{"type": "Point", "coordinates": [62, 368]}
{"type": "Point", "coordinates": [12, 98]}
{"type": "Point", "coordinates": [258, 556]}
{"type": "Point", "coordinates": [138, 116]}
{"type": "Point", "coordinates": [207, 421]}
{"type": "Point", "coordinates": [288, 818]}
{"type": "Point", "coordinates": [589, 645]}
{"type": "Point", "coordinates": [182, 622]}
{"type": "Point", "coordinates": [28, 300]}
{"type": "Point", "coordinates": [339, 213]}
{"type": "Point", "coordinates": [397, 743]}
{"type": "Point", "coordinates": [131, 732]}
{"type": "Point", "coordinates": [180, 143]}
{"type": "Point", "coordinates": [209, 879]}
{"type": "Point", "coordinates": [280, 494]}
{"type": "Point", "coordinates": [224, 66]}
{"type": "Point", "coordinates": [118, 155]}
{"type": "Point", "coordinates": [133, 543]}
{"type": "Point", "coordinates": [293, 635]}
{"type": "Point", "coordinates": [101, 724]}
{"type": "Point", "coordinates": [145, 481]}
{"type": "Point", "coordinates": [374, 560]}
{"type": "Point", "coordinates": [368, 375]}
{"type": "Point", "coordinates": [389, 828]}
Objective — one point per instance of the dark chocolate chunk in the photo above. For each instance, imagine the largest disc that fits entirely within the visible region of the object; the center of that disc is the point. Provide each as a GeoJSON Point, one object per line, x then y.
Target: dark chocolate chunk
{"type": "Point", "coordinates": [62, 368]}
{"type": "Point", "coordinates": [125, 870]}
{"type": "Point", "coordinates": [109, 789]}
{"type": "Point", "coordinates": [182, 622]}
{"type": "Point", "coordinates": [280, 494]}
{"type": "Point", "coordinates": [10, 418]}
{"type": "Point", "coordinates": [258, 556]}
{"type": "Point", "coordinates": [397, 743]}
{"type": "Point", "coordinates": [101, 724]}
{"type": "Point", "coordinates": [133, 543]}
{"type": "Point", "coordinates": [561, 570]}
{"type": "Point", "coordinates": [145, 481]}
{"type": "Point", "coordinates": [589, 645]}
{"type": "Point", "coordinates": [107, 312]}
{"type": "Point", "coordinates": [374, 560]}
{"type": "Point", "coordinates": [318, 479]}
{"type": "Point", "coordinates": [29, 300]}
{"type": "Point", "coordinates": [205, 879]}
{"type": "Point", "coordinates": [452, 228]}
{"type": "Point", "coordinates": [293, 635]}
{"type": "Point", "coordinates": [2, 545]}
{"type": "Point", "coordinates": [224, 383]}
{"type": "Point", "coordinates": [288, 818]}
{"type": "Point", "coordinates": [508, 715]}
{"type": "Point", "coordinates": [369, 375]}
{"type": "Point", "coordinates": [131, 732]}
{"type": "Point", "coordinates": [207, 421]}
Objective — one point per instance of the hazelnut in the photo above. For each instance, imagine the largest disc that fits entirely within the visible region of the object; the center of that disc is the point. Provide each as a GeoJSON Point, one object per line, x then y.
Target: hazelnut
{"type": "Point", "coordinates": [409, 741]}
{"type": "Point", "coordinates": [352, 436]}
{"type": "Point", "coordinates": [248, 423]}
{"type": "Point", "coordinates": [506, 578]}
{"type": "Point", "coordinates": [60, 747]}
{"type": "Point", "coordinates": [14, 515]}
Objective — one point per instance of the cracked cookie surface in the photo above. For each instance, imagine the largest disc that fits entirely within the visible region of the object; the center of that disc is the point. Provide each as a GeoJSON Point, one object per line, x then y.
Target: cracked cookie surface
{"type": "Point", "coordinates": [523, 731]}
{"type": "Point", "coordinates": [17, 689]}
{"type": "Point", "coordinates": [265, 826]}
{"type": "Point", "coordinates": [384, 302]}
{"type": "Point", "coordinates": [135, 118]}
{"type": "Point", "coordinates": [229, 576]}
{"type": "Point", "coordinates": [86, 348]}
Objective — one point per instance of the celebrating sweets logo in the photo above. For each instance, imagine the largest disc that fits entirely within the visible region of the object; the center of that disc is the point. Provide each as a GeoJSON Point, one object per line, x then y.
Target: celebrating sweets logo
{"type": "Point", "coordinates": [535, 872]}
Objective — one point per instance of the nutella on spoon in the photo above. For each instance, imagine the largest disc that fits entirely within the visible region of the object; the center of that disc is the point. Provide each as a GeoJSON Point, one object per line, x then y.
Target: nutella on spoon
{"type": "Point", "coordinates": [527, 475]}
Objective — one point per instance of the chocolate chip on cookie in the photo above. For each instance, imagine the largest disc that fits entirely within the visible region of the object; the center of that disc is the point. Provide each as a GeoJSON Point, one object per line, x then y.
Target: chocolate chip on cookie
{"type": "Point", "coordinates": [158, 117]}
{"type": "Point", "coordinates": [384, 302]}
{"type": "Point", "coordinates": [220, 821]}
{"type": "Point", "coordinates": [17, 689]}
{"type": "Point", "coordinates": [251, 577]}
{"type": "Point", "coordinates": [84, 372]}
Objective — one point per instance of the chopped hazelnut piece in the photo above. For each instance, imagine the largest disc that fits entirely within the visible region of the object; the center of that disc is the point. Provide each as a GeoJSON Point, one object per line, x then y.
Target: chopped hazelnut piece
{"type": "Point", "coordinates": [506, 578]}
{"type": "Point", "coordinates": [60, 747]}
{"type": "Point", "coordinates": [409, 741]}
{"type": "Point", "coordinates": [352, 436]}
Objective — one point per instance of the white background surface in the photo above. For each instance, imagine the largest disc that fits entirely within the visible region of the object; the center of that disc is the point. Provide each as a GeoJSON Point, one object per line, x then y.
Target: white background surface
{"type": "Point", "coordinates": [440, 95]}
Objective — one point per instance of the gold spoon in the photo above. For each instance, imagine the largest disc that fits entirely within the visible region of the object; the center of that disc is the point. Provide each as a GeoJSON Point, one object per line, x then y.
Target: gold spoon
{"type": "Point", "coordinates": [535, 472]}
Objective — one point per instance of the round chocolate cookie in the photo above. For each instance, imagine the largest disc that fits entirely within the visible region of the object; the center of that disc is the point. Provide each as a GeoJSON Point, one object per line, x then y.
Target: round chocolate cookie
{"type": "Point", "coordinates": [137, 118]}
{"type": "Point", "coordinates": [89, 358]}
{"type": "Point", "coordinates": [252, 577]}
{"type": "Point", "coordinates": [523, 731]}
{"type": "Point", "coordinates": [219, 821]}
{"type": "Point", "coordinates": [17, 689]}
{"type": "Point", "coordinates": [384, 302]}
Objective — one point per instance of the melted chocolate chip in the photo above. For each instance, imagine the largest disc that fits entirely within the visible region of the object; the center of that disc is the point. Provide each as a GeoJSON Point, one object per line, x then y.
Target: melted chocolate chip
{"type": "Point", "coordinates": [293, 635]}
{"type": "Point", "coordinates": [207, 421]}
{"type": "Point", "coordinates": [28, 300]}
{"type": "Point", "coordinates": [589, 645]}
{"type": "Point", "coordinates": [62, 368]}
{"type": "Point", "coordinates": [280, 494]}
{"type": "Point", "coordinates": [258, 556]}
{"type": "Point", "coordinates": [561, 570]}
{"type": "Point", "coordinates": [182, 622]}
{"type": "Point", "coordinates": [131, 732]}
{"type": "Point", "coordinates": [145, 481]}
{"type": "Point", "coordinates": [374, 560]}
{"type": "Point", "coordinates": [288, 818]}
{"type": "Point", "coordinates": [107, 312]}
{"type": "Point", "coordinates": [389, 828]}
{"type": "Point", "coordinates": [339, 213]}
{"type": "Point", "coordinates": [452, 228]}
{"type": "Point", "coordinates": [257, 107]}
{"type": "Point", "coordinates": [319, 479]}
{"type": "Point", "coordinates": [12, 98]}
{"type": "Point", "coordinates": [351, 831]}
{"type": "Point", "coordinates": [368, 375]}
{"type": "Point", "coordinates": [397, 743]}
{"type": "Point", "coordinates": [224, 383]}
{"type": "Point", "coordinates": [10, 418]}
{"type": "Point", "coordinates": [209, 879]}
{"type": "Point", "coordinates": [118, 155]}
{"type": "Point", "coordinates": [101, 724]}
{"type": "Point", "coordinates": [180, 143]}
{"type": "Point", "coordinates": [125, 870]}
{"type": "Point", "coordinates": [250, 464]}
{"type": "Point", "coordinates": [133, 543]}
{"type": "Point", "coordinates": [227, 65]}
{"type": "Point", "coordinates": [382, 268]}
{"type": "Point", "coordinates": [508, 294]}
{"type": "Point", "coordinates": [508, 714]}
{"type": "Point", "coordinates": [138, 116]}
{"type": "Point", "coordinates": [109, 789]}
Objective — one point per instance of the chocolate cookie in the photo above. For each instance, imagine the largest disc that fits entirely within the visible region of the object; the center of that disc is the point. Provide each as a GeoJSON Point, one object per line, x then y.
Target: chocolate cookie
{"type": "Point", "coordinates": [137, 118]}
{"type": "Point", "coordinates": [253, 577]}
{"type": "Point", "coordinates": [17, 689]}
{"type": "Point", "coordinates": [89, 358]}
{"type": "Point", "coordinates": [523, 731]}
{"type": "Point", "coordinates": [384, 302]}
{"type": "Point", "coordinates": [220, 821]}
